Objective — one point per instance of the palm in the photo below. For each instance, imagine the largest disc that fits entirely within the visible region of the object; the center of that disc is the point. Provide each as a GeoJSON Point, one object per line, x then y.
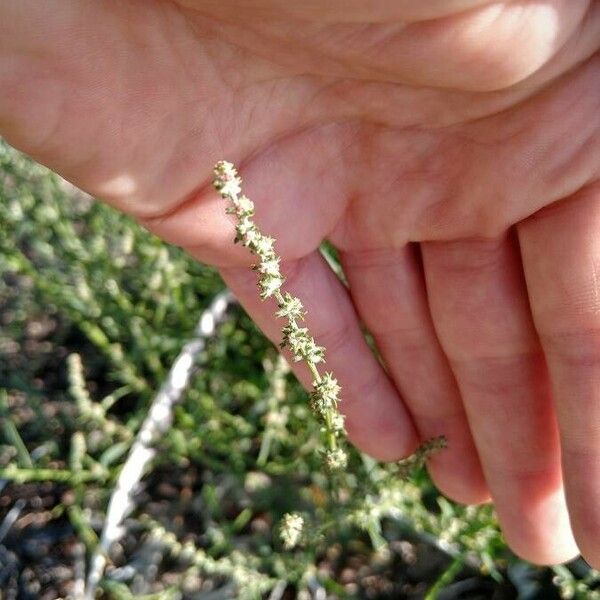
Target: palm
{"type": "Point", "coordinates": [438, 164]}
{"type": "Point", "coordinates": [340, 136]}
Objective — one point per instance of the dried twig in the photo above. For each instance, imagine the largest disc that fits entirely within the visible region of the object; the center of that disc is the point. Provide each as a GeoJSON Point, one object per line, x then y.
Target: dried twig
{"type": "Point", "coordinates": [157, 422]}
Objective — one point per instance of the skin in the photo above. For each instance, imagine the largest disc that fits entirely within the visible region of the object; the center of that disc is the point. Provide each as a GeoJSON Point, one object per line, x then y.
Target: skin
{"type": "Point", "coordinates": [449, 149]}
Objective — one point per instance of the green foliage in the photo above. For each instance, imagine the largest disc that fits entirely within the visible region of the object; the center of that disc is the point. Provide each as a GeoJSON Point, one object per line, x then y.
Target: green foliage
{"type": "Point", "coordinates": [243, 449]}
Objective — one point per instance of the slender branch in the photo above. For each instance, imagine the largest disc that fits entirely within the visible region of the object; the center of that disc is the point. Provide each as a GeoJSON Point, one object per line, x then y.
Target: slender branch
{"type": "Point", "coordinates": [325, 392]}
{"type": "Point", "coordinates": [237, 566]}
{"type": "Point", "coordinates": [22, 475]}
{"type": "Point", "coordinates": [157, 422]}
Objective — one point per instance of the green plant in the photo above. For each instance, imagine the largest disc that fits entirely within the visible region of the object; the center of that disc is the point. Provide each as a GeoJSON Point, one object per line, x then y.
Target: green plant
{"type": "Point", "coordinates": [76, 277]}
{"type": "Point", "coordinates": [325, 394]}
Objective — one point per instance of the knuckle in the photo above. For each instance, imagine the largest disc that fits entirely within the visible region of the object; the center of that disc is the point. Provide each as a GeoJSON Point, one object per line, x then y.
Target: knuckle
{"type": "Point", "coordinates": [575, 347]}
{"type": "Point", "coordinates": [499, 376]}
{"type": "Point", "coordinates": [474, 254]}
{"type": "Point", "coordinates": [372, 259]}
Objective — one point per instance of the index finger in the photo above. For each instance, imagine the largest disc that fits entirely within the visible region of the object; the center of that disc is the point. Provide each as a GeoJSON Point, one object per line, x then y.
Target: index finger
{"type": "Point", "coordinates": [376, 418]}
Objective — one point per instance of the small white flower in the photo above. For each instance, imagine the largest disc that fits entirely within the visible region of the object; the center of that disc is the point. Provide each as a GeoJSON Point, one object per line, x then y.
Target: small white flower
{"type": "Point", "coordinates": [296, 338]}
{"type": "Point", "coordinates": [327, 389]}
{"type": "Point", "coordinates": [313, 352]}
{"type": "Point", "coordinates": [292, 527]}
{"type": "Point", "coordinates": [337, 423]}
{"type": "Point", "coordinates": [264, 246]}
{"type": "Point", "coordinates": [243, 229]}
{"type": "Point", "coordinates": [250, 238]}
{"type": "Point", "coordinates": [290, 308]}
{"type": "Point", "coordinates": [269, 285]}
{"type": "Point", "coordinates": [245, 224]}
{"type": "Point", "coordinates": [231, 188]}
{"type": "Point", "coordinates": [324, 400]}
{"type": "Point", "coordinates": [224, 171]}
{"type": "Point", "coordinates": [336, 459]}
{"type": "Point", "coordinates": [245, 207]}
{"type": "Point", "coordinates": [226, 179]}
{"type": "Point", "coordinates": [302, 344]}
{"type": "Point", "coordinates": [269, 267]}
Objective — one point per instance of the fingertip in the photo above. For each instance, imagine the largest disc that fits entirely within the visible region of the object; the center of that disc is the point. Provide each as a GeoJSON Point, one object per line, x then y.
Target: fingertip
{"type": "Point", "coordinates": [456, 470]}
{"type": "Point", "coordinates": [383, 430]}
{"type": "Point", "coordinates": [464, 485]}
{"type": "Point", "coordinates": [556, 554]}
{"type": "Point", "coordinates": [537, 528]}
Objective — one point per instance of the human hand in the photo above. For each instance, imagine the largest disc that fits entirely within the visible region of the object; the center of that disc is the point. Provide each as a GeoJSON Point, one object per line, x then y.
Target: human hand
{"type": "Point", "coordinates": [449, 149]}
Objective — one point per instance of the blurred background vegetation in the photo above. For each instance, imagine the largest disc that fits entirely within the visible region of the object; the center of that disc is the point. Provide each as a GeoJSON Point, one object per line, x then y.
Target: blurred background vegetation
{"type": "Point", "coordinates": [93, 312]}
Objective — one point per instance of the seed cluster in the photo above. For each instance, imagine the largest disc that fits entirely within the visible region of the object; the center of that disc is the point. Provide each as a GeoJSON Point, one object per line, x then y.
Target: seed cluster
{"type": "Point", "coordinates": [325, 395]}
{"type": "Point", "coordinates": [291, 530]}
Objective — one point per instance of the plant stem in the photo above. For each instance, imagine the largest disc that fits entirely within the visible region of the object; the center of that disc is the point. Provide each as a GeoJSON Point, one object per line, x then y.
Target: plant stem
{"type": "Point", "coordinates": [325, 392]}
{"type": "Point", "coordinates": [19, 475]}
{"type": "Point", "coordinates": [446, 578]}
